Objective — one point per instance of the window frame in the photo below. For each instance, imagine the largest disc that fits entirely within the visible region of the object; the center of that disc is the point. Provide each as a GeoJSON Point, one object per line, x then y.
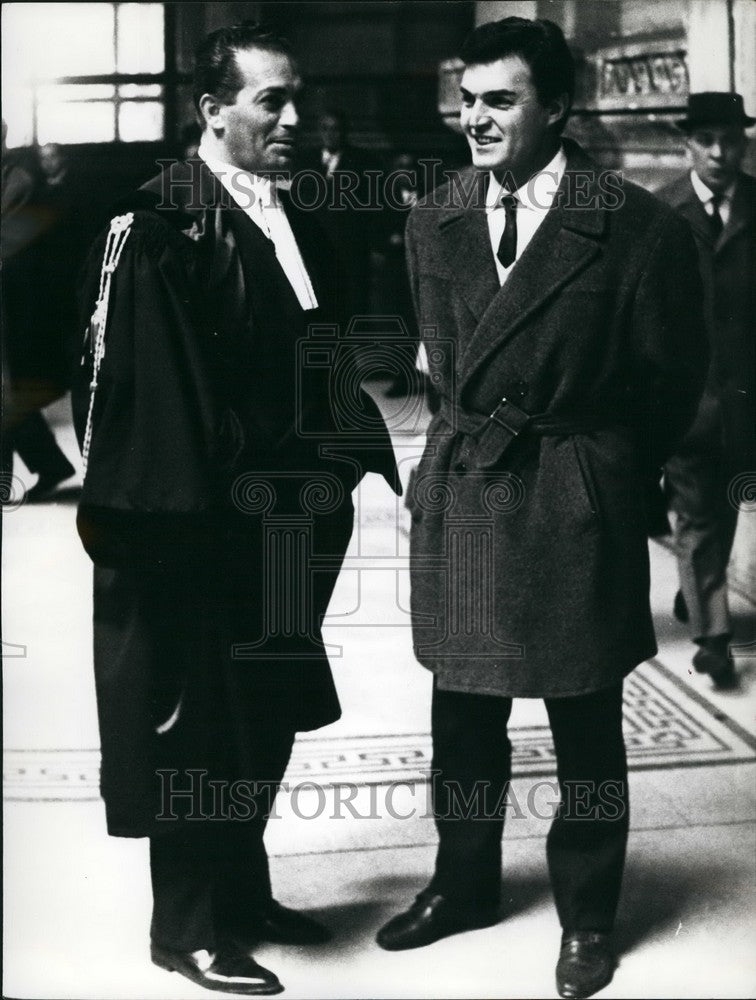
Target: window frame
{"type": "Point", "coordinates": [167, 79]}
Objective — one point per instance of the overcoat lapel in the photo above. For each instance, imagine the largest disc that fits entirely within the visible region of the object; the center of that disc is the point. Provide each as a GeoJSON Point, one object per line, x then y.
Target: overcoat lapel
{"type": "Point", "coordinates": [742, 215]}
{"type": "Point", "coordinates": [692, 210]}
{"type": "Point", "coordinates": [565, 243]}
{"type": "Point", "coordinates": [464, 238]}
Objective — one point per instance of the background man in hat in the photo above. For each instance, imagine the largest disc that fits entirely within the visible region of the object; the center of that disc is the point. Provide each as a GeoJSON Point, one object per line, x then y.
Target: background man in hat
{"type": "Point", "coordinates": [581, 355]}
{"type": "Point", "coordinates": [719, 202]}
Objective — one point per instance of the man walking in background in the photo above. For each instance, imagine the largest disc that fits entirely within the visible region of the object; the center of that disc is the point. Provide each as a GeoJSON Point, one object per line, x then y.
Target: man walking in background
{"type": "Point", "coordinates": [719, 202]}
{"type": "Point", "coordinates": [36, 326]}
{"type": "Point", "coordinates": [574, 302]}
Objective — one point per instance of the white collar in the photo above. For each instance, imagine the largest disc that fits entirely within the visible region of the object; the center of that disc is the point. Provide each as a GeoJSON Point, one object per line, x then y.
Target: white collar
{"type": "Point", "coordinates": [260, 184]}
{"type": "Point", "coordinates": [255, 195]}
{"type": "Point", "coordinates": [539, 191]}
{"type": "Point", "coordinates": [705, 193]}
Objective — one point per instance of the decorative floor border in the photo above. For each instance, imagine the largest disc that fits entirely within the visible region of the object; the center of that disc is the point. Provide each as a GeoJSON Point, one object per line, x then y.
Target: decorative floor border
{"type": "Point", "coordinates": [667, 725]}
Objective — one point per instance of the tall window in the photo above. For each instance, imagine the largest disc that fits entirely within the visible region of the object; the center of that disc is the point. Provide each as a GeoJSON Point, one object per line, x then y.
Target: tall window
{"type": "Point", "coordinates": [83, 72]}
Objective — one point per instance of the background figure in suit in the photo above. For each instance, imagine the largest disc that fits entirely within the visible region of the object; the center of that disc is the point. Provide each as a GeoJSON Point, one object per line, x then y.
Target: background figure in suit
{"type": "Point", "coordinates": [351, 228]}
{"type": "Point", "coordinates": [208, 497]}
{"type": "Point", "coordinates": [394, 297]}
{"type": "Point", "coordinates": [575, 305]}
{"type": "Point", "coordinates": [719, 202]}
{"type": "Point", "coordinates": [38, 295]}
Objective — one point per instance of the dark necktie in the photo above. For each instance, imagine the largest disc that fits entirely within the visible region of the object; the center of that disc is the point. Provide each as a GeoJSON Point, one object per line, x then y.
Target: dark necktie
{"type": "Point", "coordinates": [715, 219]}
{"type": "Point", "coordinates": [507, 251]}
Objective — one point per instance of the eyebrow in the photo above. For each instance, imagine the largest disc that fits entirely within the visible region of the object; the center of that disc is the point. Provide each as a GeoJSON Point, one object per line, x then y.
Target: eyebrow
{"type": "Point", "coordinates": [283, 91]}
{"type": "Point", "coordinates": [491, 94]}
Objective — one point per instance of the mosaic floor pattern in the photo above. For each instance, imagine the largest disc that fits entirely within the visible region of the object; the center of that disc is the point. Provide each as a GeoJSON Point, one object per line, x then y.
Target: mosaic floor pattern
{"type": "Point", "coordinates": [666, 725]}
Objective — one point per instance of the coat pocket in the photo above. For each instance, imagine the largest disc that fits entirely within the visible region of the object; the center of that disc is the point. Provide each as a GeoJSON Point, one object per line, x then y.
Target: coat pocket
{"type": "Point", "coordinates": [586, 477]}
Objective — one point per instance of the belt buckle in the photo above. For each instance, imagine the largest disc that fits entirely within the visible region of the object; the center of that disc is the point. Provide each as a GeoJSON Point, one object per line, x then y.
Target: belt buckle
{"type": "Point", "coordinates": [520, 417]}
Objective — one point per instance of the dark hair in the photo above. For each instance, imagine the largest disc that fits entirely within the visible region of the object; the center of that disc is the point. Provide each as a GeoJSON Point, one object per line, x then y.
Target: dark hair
{"type": "Point", "coordinates": [215, 68]}
{"type": "Point", "coordinates": [540, 43]}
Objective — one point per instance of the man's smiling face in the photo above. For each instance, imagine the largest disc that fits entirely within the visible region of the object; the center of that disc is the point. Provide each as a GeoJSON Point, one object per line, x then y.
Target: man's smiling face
{"type": "Point", "coordinates": [506, 125]}
{"type": "Point", "coordinates": [261, 126]}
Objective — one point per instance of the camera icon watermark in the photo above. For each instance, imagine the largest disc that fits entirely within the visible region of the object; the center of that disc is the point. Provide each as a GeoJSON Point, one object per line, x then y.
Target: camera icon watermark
{"type": "Point", "coordinates": [334, 364]}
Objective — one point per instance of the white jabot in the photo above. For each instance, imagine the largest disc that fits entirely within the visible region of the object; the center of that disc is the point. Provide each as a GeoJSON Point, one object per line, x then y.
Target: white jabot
{"type": "Point", "coordinates": [534, 199]}
{"type": "Point", "coordinates": [258, 199]}
{"type": "Point", "coordinates": [705, 196]}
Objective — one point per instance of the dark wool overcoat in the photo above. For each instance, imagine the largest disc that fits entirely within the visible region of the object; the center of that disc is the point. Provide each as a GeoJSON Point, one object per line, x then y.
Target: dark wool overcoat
{"type": "Point", "coordinates": [217, 501]}
{"type": "Point", "coordinates": [529, 558]}
{"type": "Point", "coordinates": [728, 266]}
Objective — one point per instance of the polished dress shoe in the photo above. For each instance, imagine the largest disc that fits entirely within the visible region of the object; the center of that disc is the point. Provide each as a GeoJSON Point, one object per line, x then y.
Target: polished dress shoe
{"type": "Point", "coordinates": [713, 658]}
{"type": "Point", "coordinates": [278, 923]}
{"type": "Point", "coordinates": [48, 482]}
{"type": "Point", "coordinates": [430, 918]}
{"type": "Point", "coordinates": [586, 963]}
{"type": "Point", "coordinates": [228, 969]}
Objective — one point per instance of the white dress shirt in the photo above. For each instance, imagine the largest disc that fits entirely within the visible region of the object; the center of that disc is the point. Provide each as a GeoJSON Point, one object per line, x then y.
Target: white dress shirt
{"type": "Point", "coordinates": [706, 196]}
{"type": "Point", "coordinates": [258, 199]}
{"type": "Point", "coordinates": [534, 199]}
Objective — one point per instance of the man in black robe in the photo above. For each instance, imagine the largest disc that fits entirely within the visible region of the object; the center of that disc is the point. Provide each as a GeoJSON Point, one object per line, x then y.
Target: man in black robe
{"type": "Point", "coordinates": [216, 507]}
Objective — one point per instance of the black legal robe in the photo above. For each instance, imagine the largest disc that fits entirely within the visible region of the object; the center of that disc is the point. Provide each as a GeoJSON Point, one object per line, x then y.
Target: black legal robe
{"type": "Point", "coordinates": [216, 506]}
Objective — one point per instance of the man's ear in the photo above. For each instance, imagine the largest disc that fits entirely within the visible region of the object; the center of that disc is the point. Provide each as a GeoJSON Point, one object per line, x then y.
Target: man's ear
{"type": "Point", "coordinates": [211, 110]}
{"type": "Point", "coordinates": [558, 108]}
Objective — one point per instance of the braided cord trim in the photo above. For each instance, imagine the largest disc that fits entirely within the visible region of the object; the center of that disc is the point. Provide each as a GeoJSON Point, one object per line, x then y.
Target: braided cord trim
{"type": "Point", "coordinates": [120, 227]}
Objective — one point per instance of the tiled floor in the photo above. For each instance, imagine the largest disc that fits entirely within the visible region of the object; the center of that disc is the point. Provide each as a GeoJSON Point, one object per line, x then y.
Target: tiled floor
{"type": "Point", "coordinates": [77, 902]}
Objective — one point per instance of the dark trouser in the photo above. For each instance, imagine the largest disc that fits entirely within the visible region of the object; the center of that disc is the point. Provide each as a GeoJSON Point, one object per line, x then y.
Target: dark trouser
{"type": "Point", "coordinates": [696, 480]}
{"type": "Point", "coordinates": [33, 440]}
{"type": "Point", "coordinates": [704, 533]}
{"type": "Point", "coordinates": [472, 754]}
{"type": "Point", "coordinates": [210, 875]}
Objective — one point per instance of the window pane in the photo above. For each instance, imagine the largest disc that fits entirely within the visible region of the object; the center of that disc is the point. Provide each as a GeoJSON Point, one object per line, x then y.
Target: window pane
{"type": "Point", "coordinates": [48, 40]}
{"type": "Point", "coordinates": [18, 115]}
{"type": "Point", "coordinates": [140, 90]}
{"type": "Point", "coordinates": [140, 38]}
{"type": "Point", "coordinates": [75, 92]}
{"type": "Point", "coordinates": [76, 122]}
{"type": "Point", "coordinates": [140, 121]}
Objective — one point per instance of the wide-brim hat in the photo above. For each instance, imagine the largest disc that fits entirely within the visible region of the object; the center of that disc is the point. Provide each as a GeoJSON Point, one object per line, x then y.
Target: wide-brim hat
{"type": "Point", "coordinates": [714, 108]}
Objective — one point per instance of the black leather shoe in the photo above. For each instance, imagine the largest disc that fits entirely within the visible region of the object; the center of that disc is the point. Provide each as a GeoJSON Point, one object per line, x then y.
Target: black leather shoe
{"type": "Point", "coordinates": [586, 964]}
{"type": "Point", "coordinates": [285, 926]}
{"type": "Point", "coordinates": [680, 608]}
{"type": "Point", "coordinates": [47, 483]}
{"type": "Point", "coordinates": [713, 658]}
{"type": "Point", "coordinates": [430, 918]}
{"type": "Point", "coordinates": [227, 969]}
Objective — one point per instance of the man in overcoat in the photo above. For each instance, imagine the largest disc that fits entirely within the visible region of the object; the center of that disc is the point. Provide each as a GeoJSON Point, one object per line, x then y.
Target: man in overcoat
{"type": "Point", "coordinates": [217, 508]}
{"type": "Point", "coordinates": [719, 202]}
{"type": "Point", "coordinates": [574, 302]}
